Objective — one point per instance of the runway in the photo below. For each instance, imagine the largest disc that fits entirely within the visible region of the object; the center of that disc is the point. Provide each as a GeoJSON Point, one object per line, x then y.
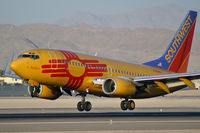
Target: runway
{"type": "Point", "coordinates": [174, 115]}
{"type": "Point", "coordinates": [97, 121]}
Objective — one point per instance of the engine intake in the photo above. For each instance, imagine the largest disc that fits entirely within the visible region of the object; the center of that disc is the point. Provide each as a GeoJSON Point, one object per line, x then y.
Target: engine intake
{"type": "Point", "coordinates": [118, 87]}
{"type": "Point", "coordinates": [45, 92]}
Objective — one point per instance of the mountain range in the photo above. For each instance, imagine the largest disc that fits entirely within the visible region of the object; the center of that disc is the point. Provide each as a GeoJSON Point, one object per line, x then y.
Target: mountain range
{"type": "Point", "coordinates": [136, 37]}
{"type": "Point", "coordinates": [164, 17]}
{"type": "Point", "coordinates": [135, 46]}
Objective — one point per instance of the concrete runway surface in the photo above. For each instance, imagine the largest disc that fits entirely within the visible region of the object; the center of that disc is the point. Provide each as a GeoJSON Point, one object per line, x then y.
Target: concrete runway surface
{"type": "Point", "coordinates": [158, 115]}
{"type": "Point", "coordinates": [100, 121]}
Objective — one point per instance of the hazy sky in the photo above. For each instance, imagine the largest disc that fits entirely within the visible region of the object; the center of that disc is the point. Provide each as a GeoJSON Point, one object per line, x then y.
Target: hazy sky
{"type": "Point", "coordinates": [20, 12]}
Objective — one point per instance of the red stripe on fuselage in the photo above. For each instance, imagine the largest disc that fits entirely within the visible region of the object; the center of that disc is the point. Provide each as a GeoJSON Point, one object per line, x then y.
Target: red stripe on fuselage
{"type": "Point", "coordinates": [53, 71]}
{"type": "Point", "coordinates": [91, 70]}
{"type": "Point", "coordinates": [54, 66]}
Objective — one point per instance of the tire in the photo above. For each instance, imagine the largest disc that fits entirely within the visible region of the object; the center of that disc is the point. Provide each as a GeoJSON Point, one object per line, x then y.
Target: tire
{"type": "Point", "coordinates": [80, 106]}
{"type": "Point", "coordinates": [124, 105]}
{"type": "Point", "coordinates": [131, 105]}
{"type": "Point", "coordinates": [87, 106]}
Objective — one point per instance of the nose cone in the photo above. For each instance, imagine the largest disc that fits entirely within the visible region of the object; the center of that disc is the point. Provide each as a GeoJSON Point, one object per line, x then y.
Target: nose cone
{"type": "Point", "coordinates": [14, 67]}
{"type": "Point", "coordinates": [18, 67]}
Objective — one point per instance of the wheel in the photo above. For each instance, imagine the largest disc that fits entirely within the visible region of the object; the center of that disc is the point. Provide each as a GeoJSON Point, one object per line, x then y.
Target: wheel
{"type": "Point", "coordinates": [131, 105]}
{"type": "Point", "coordinates": [31, 90]}
{"type": "Point", "coordinates": [88, 106]}
{"type": "Point", "coordinates": [80, 106]}
{"type": "Point", "coordinates": [124, 105]}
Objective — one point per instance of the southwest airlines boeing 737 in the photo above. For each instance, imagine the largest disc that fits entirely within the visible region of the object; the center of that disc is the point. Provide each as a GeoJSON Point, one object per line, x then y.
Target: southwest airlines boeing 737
{"type": "Point", "coordinates": [50, 72]}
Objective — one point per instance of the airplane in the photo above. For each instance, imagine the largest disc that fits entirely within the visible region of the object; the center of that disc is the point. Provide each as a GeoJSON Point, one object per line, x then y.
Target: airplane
{"type": "Point", "coordinates": [51, 72]}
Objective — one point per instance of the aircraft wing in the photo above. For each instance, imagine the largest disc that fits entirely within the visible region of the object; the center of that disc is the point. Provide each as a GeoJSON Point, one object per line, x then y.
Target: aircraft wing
{"type": "Point", "coordinates": [163, 81]}
{"type": "Point", "coordinates": [167, 77]}
{"type": "Point", "coordinates": [169, 80]}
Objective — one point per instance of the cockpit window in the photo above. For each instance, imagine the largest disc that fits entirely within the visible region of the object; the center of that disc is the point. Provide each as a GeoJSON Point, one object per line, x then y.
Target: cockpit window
{"type": "Point", "coordinates": [35, 57]}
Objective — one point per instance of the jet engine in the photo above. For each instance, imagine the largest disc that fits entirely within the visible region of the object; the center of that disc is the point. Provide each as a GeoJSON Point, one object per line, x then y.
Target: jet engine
{"type": "Point", "coordinates": [118, 87]}
{"type": "Point", "coordinates": [45, 92]}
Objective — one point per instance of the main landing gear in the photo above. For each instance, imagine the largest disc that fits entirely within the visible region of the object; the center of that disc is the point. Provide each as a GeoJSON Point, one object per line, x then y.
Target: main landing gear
{"type": "Point", "coordinates": [87, 106]}
{"type": "Point", "coordinates": [127, 104]}
{"type": "Point", "coordinates": [84, 105]}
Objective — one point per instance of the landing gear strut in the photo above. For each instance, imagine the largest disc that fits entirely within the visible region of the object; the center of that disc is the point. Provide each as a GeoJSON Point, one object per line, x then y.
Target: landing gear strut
{"type": "Point", "coordinates": [127, 104]}
{"type": "Point", "coordinates": [84, 105]}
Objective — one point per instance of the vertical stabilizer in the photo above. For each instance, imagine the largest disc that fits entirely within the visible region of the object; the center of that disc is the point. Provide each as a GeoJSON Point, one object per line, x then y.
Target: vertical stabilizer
{"type": "Point", "coordinates": [176, 57]}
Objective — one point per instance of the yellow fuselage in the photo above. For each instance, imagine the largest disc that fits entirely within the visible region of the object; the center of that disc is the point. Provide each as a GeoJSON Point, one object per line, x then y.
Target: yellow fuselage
{"type": "Point", "coordinates": [76, 71]}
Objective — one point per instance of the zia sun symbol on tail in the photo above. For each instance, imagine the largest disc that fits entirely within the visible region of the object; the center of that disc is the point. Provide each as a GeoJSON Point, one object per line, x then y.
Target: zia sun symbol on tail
{"type": "Point", "coordinates": [74, 68]}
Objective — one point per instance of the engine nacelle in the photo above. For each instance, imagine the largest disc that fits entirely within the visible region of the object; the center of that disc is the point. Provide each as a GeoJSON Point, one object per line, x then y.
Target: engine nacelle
{"type": "Point", "coordinates": [118, 87]}
{"type": "Point", "coordinates": [45, 92]}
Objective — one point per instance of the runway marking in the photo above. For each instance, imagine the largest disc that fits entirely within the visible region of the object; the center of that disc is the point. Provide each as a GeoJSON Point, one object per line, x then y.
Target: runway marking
{"type": "Point", "coordinates": [98, 122]}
